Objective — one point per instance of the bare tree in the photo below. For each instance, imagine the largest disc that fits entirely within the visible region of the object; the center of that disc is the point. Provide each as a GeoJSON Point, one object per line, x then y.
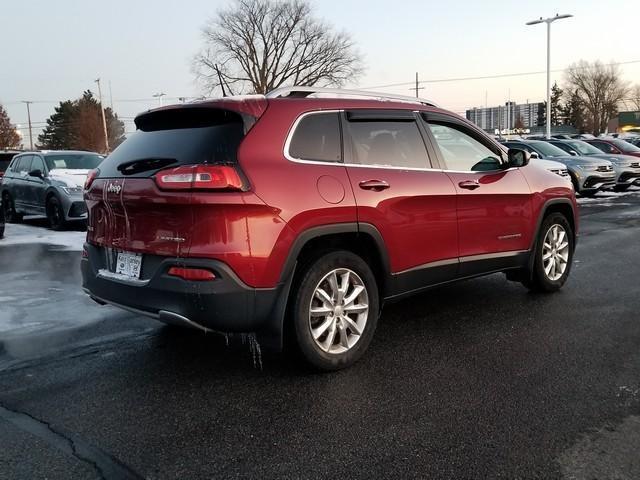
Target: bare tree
{"type": "Point", "coordinates": [258, 45]}
{"type": "Point", "coordinates": [599, 88]}
{"type": "Point", "coordinates": [9, 137]}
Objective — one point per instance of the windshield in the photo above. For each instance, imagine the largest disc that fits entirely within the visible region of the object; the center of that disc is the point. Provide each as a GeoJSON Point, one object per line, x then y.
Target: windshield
{"type": "Point", "coordinates": [583, 148]}
{"type": "Point", "coordinates": [548, 150]}
{"type": "Point", "coordinates": [73, 161]}
{"type": "Point", "coordinates": [625, 146]}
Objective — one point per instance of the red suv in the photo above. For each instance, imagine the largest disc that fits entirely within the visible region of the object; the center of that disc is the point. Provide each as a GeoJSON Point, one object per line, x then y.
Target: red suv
{"type": "Point", "coordinates": [301, 213]}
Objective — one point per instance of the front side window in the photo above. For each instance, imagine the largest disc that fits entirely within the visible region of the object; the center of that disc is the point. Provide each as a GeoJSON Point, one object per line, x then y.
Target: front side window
{"type": "Point", "coordinates": [388, 143]}
{"type": "Point", "coordinates": [317, 137]}
{"type": "Point", "coordinates": [461, 152]}
{"type": "Point", "coordinates": [37, 164]}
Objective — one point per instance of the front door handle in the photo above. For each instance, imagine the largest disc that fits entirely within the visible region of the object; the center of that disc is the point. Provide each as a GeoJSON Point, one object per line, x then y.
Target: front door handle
{"type": "Point", "coordinates": [375, 185]}
{"type": "Point", "coordinates": [469, 184]}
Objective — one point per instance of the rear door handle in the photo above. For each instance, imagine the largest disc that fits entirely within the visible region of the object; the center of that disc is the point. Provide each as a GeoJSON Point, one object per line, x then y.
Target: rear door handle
{"type": "Point", "coordinates": [469, 184]}
{"type": "Point", "coordinates": [375, 185]}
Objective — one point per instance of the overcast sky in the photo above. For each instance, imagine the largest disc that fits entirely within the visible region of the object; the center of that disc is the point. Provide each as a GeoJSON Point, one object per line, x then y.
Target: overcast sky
{"type": "Point", "coordinates": [53, 50]}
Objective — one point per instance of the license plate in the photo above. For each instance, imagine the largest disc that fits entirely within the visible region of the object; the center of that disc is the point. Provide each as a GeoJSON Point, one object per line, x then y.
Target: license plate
{"type": "Point", "coordinates": [129, 264]}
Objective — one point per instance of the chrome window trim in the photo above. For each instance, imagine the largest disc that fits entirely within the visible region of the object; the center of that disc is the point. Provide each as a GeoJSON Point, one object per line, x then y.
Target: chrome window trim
{"type": "Point", "coordinates": [292, 131]}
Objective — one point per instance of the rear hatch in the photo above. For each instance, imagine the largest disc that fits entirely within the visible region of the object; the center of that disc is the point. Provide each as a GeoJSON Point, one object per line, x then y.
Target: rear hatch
{"type": "Point", "coordinates": [140, 198]}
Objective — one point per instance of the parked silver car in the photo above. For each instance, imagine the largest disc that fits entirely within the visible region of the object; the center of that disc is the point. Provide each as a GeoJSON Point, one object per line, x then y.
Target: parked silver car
{"type": "Point", "coordinates": [626, 168]}
{"type": "Point", "coordinates": [588, 175]}
{"type": "Point", "coordinates": [47, 183]}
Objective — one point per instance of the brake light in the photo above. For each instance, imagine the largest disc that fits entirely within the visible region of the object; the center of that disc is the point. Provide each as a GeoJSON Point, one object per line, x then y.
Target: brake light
{"type": "Point", "coordinates": [194, 274]}
{"type": "Point", "coordinates": [200, 177]}
{"type": "Point", "coordinates": [91, 176]}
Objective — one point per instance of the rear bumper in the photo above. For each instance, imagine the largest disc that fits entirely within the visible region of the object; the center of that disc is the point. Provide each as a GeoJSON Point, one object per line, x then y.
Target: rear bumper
{"type": "Point", "coordinates": [225, 305]}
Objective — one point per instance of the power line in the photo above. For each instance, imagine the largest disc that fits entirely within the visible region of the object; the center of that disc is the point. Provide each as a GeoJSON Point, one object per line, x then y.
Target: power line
{"type": "Point", "coordinates": [487, 77]}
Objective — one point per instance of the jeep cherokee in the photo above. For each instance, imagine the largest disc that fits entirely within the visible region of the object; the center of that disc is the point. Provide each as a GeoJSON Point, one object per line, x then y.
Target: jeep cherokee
{"type": "Point", "coordinates": [304, 211]}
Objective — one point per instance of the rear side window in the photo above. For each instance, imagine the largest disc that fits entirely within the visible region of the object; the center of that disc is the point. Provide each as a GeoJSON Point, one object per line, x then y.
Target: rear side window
{"type": "Point", "coordinates": [317, 137]}
{"type": "Point", "coordinates": [170, 138]}
{"type": "Point", "coordinates": [388, 143]}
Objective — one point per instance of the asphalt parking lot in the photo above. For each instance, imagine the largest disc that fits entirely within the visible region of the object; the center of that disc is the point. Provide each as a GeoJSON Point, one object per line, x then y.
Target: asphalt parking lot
{"type": "Point", "coordinates": [479, 379]}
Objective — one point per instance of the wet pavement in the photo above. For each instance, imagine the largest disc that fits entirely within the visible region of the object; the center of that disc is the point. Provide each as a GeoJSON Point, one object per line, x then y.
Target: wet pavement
{"type": "Point", "coordinates": [479, 379]}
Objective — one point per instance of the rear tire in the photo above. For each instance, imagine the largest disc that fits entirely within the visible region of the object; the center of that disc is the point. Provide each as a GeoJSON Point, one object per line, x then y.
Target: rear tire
{"type": "Point", "coordinates": [335, 310]}
{"type": "Point", "coordinates": [553, 255]}
{"type": "Point", "coordinates": [55, 214]}
{"type": "Point", "coordinates": [10, 214]}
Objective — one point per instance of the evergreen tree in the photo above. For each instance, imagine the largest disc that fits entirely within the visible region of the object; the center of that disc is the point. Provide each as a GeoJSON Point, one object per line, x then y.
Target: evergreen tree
{"type": "Point", "coordinates": [556, 106]}
{"type": "Point", "coordinates": [59, 133]}
{"type": "Point", "coordinates": [574, 111]}
{"type": "Point", "coordinates": [77, 125]}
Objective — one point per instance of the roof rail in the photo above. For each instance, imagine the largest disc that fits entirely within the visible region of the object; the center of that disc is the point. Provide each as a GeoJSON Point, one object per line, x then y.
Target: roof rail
{"type": "Point", "coordinates": [304, 92]}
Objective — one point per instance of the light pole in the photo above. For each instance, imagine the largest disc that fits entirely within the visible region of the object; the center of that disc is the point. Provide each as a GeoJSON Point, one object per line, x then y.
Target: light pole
{"type": "Point", "coordinates": [27, 103]}
{"type": "Point", "coordinates": [548, 21]}
{"type": "Point", "coordinates": [104, 121]}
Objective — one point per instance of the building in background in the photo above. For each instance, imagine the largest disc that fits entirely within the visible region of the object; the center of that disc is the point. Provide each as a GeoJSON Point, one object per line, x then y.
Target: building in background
{"type": "Point", "coordinates": [625, 122]}
{"type": "Point", "coordinates": [508, 116]}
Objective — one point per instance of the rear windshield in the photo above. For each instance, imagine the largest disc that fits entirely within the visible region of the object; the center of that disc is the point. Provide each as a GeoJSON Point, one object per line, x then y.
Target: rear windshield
{"type": "Point", "coordinates": [180, 137]}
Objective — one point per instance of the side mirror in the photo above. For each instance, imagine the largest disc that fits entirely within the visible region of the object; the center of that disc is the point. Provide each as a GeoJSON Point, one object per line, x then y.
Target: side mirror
{"type": "Point", "coordinates": [573, 153]}
{"type": "Point", "coordinates": [534, 155]}
{"type": "Point", "coordinates": [36, 173]}
{"type": "Point", "coordinates": [518, 158]}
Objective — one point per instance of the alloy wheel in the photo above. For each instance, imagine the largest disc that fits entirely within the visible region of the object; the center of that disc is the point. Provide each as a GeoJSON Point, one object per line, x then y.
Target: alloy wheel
{"type": "Point", "coordinates": [338, 311]}
{"type": "Point", "coordinates": [555, 252]}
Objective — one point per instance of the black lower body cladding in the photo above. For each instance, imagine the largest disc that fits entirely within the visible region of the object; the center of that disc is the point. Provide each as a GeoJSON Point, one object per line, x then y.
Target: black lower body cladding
{"type": "Point", "coordinates": [225, 305]}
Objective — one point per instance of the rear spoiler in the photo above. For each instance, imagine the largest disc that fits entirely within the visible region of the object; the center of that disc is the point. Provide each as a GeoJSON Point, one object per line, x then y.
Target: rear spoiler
{"type": "Point", "coordinates": [247, 109]}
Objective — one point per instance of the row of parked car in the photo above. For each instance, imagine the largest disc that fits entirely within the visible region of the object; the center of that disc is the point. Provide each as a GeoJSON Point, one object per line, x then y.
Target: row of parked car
{"type": "Point", "coordinates": [592, 164]}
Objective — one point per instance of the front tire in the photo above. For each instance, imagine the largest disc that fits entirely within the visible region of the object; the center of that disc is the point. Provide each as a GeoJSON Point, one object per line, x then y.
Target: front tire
{"type": "Point", "coordinates": [553, 255]}
{"type": "Point", "coordinates": [335, 310]}
{"type": "Point", "coordinates": [55, 214]}
{"type": "Point", "coordinates": [621, 188]}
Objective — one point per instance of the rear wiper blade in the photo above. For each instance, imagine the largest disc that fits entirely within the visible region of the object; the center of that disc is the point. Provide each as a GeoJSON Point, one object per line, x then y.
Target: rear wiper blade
{"type": "Point", "coordinates": [144, 165]}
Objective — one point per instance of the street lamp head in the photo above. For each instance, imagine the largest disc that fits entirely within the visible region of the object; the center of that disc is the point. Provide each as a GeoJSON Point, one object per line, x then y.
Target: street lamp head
{"type": "Point", "coordinates": [549, 20]}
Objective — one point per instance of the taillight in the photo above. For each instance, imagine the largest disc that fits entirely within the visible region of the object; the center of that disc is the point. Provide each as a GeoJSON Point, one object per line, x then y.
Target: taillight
{"type": "Point", "coordinates": [200, 177]}
{"type": "Point", "coordinates": [193, 274]}
{"type": "Point", "coordinates": [91, 176]}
